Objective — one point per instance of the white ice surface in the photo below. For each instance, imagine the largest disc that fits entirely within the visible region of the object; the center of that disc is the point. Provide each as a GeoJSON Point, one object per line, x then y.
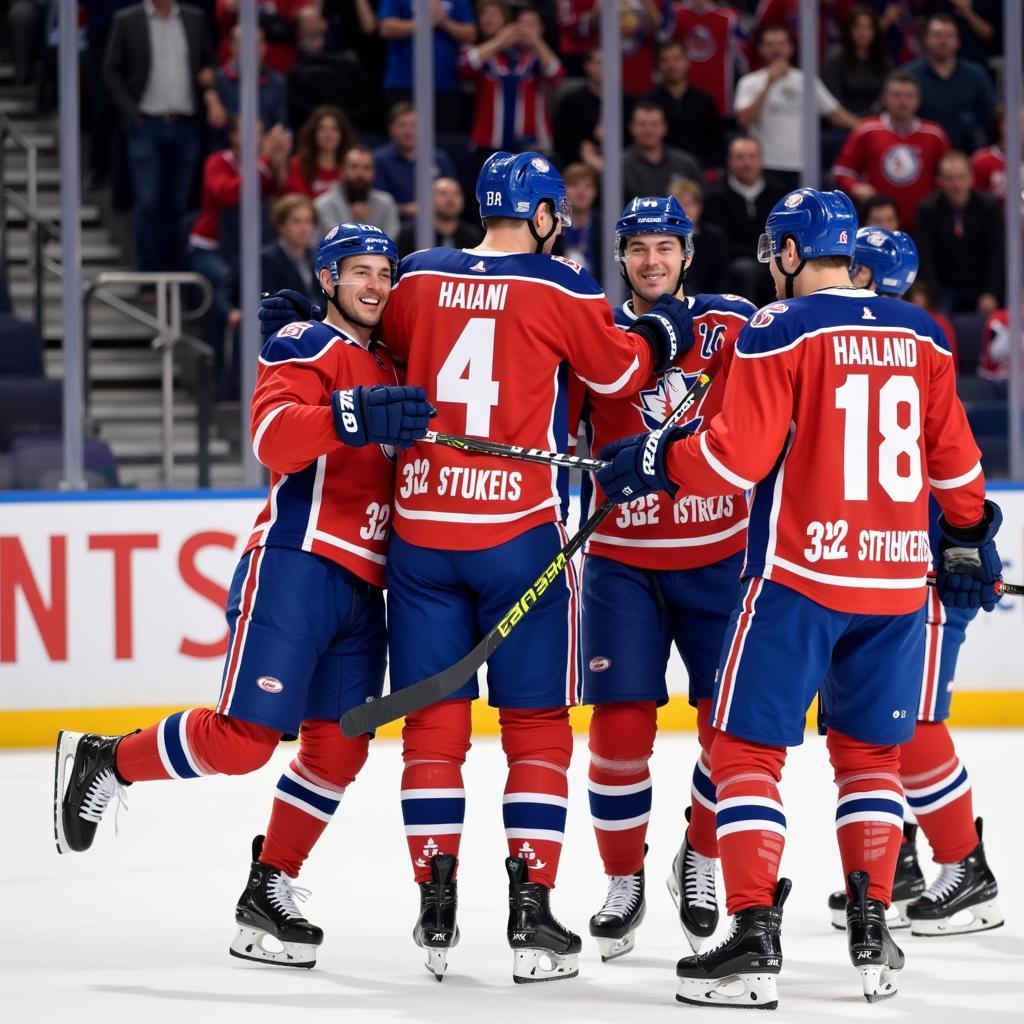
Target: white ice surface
{"type": "Point", "coordinates": [138, 928]}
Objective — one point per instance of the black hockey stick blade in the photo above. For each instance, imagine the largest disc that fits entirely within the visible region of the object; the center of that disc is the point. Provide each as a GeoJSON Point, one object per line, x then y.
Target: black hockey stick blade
{"type": "Point", "coordinates": [482, 446]}
{"type": "Point", "coordinates": [375, 713]}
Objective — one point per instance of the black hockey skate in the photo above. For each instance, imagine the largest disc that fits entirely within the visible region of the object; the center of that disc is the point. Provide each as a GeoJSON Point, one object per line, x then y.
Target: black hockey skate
{"type": "Point", "coordinates": [542, 949]}
{"type": "Point", "coordinates": [907, 885]}
{"type": "Point", "coordinates": [962, 899]}
{"type": "Point", "coordinates": [266, 910]}
{"type": "Point", "coordinates": [85, 781]}
{"type": "Point", "coordinates": [436, 930]}
{"type": "Point", "coordinates": [691, 883]}
{"type": "Point", "coordinates": [742, 969]}
{"type": "Point", "coordinates": [616, 922]}
{"type": "Point", "coordinates": [872, 950]}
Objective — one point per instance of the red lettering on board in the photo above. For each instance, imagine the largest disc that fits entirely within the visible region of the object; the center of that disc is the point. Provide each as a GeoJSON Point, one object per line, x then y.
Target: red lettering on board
{"type": "Point", "coordinates": [121, 545]}
{"type": "Point", "coordinates": [204, 587]}
{"type": "Point", "coordinates": [51, 620]}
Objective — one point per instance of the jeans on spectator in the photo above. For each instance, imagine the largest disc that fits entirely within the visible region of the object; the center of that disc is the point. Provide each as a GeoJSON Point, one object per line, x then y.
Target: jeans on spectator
{"type": "Point", "coordinates": [752, 280]}
{"type": "Point", "coordinates": [163, 155]}
{"type": "Point", "coordinates": [212, 265]}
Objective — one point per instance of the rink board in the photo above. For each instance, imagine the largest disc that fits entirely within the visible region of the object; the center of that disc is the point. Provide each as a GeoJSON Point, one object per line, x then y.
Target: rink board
{"type": "Point", "coordinates": [111, 613]}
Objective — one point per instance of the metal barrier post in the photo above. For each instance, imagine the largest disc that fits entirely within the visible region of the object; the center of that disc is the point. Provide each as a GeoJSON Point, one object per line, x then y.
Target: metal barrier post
{"type": "Point", "coordinates": [3, 200]}
{"type": "Point", "coordinates": [611, 143]}
{"type": "Point", "coordinates": [423, 96]}
{"type": "Point", "coordinates": [810, 121]}
{"type": "Point", "coordinates": [1012, 71]}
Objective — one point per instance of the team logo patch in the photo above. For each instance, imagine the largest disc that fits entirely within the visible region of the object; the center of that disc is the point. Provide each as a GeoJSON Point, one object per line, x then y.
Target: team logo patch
{"type": "Point", "coordinates": [572, 264]}
{"type": "Point", "coordinates": [270, 684]}
{"type": "Point", "coordinates": [600, 664]}
{"type": "Point", "coordinates": [763, 317]}
{"type": "Point", "coordinates": [330, 234]}
{"type": "Point", "coordinates": [902, 165]}
{"type": "Point", "coordinates": [657, 402]}
{"type": "Point", "coordinates": [522, 207]}
{"type": "Point", "coordinates": [527, 852]}
{"type": "Point", "coordinates": [295, 330]}
{"type": "Point", "coordinates": [844, 237]}
{"type": "Point", "coordinates": [875, 238]}
{"type": "Point", "coordinates": [793, 201]}
{"type": "Point", "coordinates": [700, 44]}
{"type": "Point", "coordinates": [538, 163]}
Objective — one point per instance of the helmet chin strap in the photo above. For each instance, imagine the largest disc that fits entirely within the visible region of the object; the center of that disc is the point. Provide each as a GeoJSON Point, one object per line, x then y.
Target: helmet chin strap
{"type": "Point", "coordinates": [788, 276]}
{"type": "Point", "coordinates": [540, 239]}
{"type": "Point", "coordinates": [680, 281]}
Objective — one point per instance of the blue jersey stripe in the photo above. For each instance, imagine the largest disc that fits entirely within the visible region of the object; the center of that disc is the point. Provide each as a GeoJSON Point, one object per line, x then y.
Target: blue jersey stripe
{"type": "Point", "coordinates": [294, 498]}
{"type": "Point", "coordinates": [433, 810]}
{"type": "Point", "coordinates": [924, 801]}
{"type": "Point", "coordinates": [870, 804]}
{"type": "Point", "coordinates": [293, 788]}
{"type": "Point", "coordinates": [749, 812]}
{"type": "Point", "coordinates": [539, 816]}
{"type": "Point", "coordinates": [617, 808]}
{"type": "Point", "coordinates": [172, 744]}
{"type": "Point", "coordinates": [703, 785]}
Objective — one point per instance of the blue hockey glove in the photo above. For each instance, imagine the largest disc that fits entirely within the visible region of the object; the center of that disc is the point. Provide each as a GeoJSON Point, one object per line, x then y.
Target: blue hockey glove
{"type": "Point", "coordinates": [397, 416]}
{"type": "Point", "coordinates": [668, 328]}
{"type": "Point", "coordinates": [969, 568]}
{"type": "Point", "coordinates": [283, 308]}
{"type": "Point", "coordinates": [636, 465]}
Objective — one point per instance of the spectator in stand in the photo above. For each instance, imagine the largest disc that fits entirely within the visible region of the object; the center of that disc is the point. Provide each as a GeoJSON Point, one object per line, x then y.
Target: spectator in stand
{"type": "Point", "coordinates": [855, 70]}
{"type": "Point", "coordinates": [709, 33]}
{"type": "Point", "coordinates": [693, 121]}
{"type": "Point", "coordinates": [354, 29]}
{"type": "Point", "coordinates": [769, 105]}
{"type": "Point", "coordinates": [921, 294]}
{"type": "Point", "coordinates": [979, 22]}
{"type": "Point", "coordinates": [895, 153]}
{"type": "Point", "coordinates": [579, 24]}
{"type": "Point", "coordinates": [320, 76]}
{"type": "Point", "coordinates": [454, 26]}
{"type": "Point", "coordinates": [512, 73]}
{"type": "Point", "coordinates": [739, 204]}
{"type": "Point", "coordinates": [396, 160]}
{"type": "Point", "coordinates": [994, 361]}
{"type": "Point", "coordinates": [277, 19]}
{"type": "Point", "coordinates": [578, 114]}
{"type": "Point", "coordinates": [581, 242]}
{"type": "Point", "coordinates": [287, 262]}
{"type": "Point", "coordinates": [273, 108]}
{"type": "Point", "coordinates": [159, 72]}
{"type": "Point", "coordinates": [324, 140]}
{"type": "Point", "coordinates": [710, 270]}
{"type": "Point", "coordinates": [959, 237]}
{"type": "Point", "coordinates": [450, 230]}
{"type": "Point", "coordinates": [880, 212]}
{"type": "Point", "coordinates": [353, 198]}
{"type": "Point", "coordinates": [955, 92]}
{"type": "Point", "coordinates": [989, 164]}
{"type": "Point", "coordinates": [648, 165]}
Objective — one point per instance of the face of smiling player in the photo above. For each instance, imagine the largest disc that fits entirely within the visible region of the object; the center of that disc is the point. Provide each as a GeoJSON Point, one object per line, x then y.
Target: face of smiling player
{"type": "Point", "coordinates": [653, 265]}
{"type": "Point", "coordinates": [363, 289]}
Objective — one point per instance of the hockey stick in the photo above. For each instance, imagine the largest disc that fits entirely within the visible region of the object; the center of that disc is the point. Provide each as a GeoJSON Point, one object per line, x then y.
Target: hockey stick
{"type": "Point", "coordinates": [482, 446]}
{"type": "Point", "coordinates": [375, 713]}
{"type": "Point", "coordinates": [1010, 589]}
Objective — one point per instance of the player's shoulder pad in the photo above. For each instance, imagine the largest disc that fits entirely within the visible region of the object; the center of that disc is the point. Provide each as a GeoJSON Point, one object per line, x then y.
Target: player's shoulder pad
{"type": "Point", "coordinates": [706, 303]}
{"type": "Point", "coordinates": [564, 274]}
{"type": "Point", "coordinates": [767, 330]}
{"type": "Point", "coordinates": [303, 339]}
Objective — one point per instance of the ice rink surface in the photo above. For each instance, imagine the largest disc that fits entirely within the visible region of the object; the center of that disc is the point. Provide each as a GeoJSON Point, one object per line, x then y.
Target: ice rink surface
{"type": "Point", "coordinates": [138, 928]}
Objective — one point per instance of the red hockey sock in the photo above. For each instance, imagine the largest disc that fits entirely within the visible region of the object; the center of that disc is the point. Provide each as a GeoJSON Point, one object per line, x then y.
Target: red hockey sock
{"type": "Point", "coordinates": [196, 742]}
{"type": "Point", "coordinates": [621, 744]}
{"type": "Point", "coordinates": [750, 820]}
{"type": "Point", "coordinates": [434, 746]}
{"type": "Point", "coordinates": [538, 747]}
{"type": "Point", "coordinates": [702, 832]}
{"type": "Point", "coordinates": [939, 792]}
{"type": "Point", "coordinates": [869, 816]}
{"type": "Point", "coordinates": [309, 791]}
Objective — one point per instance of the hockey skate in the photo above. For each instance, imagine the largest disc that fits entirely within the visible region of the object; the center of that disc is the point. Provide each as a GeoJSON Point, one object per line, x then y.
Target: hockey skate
{"type": "Point", "coordinates": [85, 781]}
{"type": "Point", "coordinates": [906, 886]}
{"type": "Point", "coordinates": [741, 970]}
{"type": "Point", "coordinates": [542, 949]}
{"type": "Point", "coordinates": [614, 925]}
{"type": "Point", "coordinates": [962, 899]}
{"type": "Point", "coordinates": [691, 883]}
{"type": "Point", "coordinates": [436, 930]}
{"type": "Point", "coordinates": [266, 910]}
{"type": "Point", "coordinates": [872, 950]}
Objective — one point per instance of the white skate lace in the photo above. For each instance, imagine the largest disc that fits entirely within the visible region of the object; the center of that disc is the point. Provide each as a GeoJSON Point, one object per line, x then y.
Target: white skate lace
{"type": "Point", "coordinates": [950, 876]}
{"type": "Point", "coordinates": [728, 936]}
{"type": "Point", "coordinates": [103, 789]}
{"type": "Point", "coordinates": [623, 895]}
{"type": "Point", "coordinates": [283, 894]}
{"type": "Point", "coordinates": [699, 882]}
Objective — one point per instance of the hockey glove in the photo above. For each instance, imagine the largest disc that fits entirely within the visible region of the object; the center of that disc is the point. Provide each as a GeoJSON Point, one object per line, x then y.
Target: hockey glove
{"type": "Point", "coordinates": [283, 308]}
{"type": "Point", "coordinates": [636, 465]}
{"type": "Point", "coordinates": [397, 416]}
{"type": "Point", "coordinates": [668, 328]}
{"type": "Point", "coordinates": [969, 568]}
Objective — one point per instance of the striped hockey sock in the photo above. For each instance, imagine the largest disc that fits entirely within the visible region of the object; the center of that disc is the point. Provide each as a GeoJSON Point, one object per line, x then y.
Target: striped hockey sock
{"type": "Point", "coordinates": [433, 809]}
{"type": "Point", "coordinates": [702, 831]}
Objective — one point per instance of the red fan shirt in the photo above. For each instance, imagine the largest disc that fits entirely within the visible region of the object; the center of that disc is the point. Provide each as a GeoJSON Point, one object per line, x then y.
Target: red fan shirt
{"type": "Point", "coordinates": [709, 35]}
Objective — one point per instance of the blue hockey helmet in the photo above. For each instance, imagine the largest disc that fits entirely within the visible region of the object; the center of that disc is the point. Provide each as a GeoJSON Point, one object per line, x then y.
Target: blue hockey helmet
{"type": "Point", "coordinates": [891, 256]}
{"type": "Point", "coordinates": [515, 184]}
{"type": "Point", "coordinates": [345, 240]}
{"type": "Point", "coordinates": [653, 215]}
{"type": "Point", "coordinates": [820, 223]}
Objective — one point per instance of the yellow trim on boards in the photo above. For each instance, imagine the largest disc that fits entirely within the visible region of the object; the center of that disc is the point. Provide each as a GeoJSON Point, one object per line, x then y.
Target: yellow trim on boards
{"type": "Point", "coordinates": [971, 709]}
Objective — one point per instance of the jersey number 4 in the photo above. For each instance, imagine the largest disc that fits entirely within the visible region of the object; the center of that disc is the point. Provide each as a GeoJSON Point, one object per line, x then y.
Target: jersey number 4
{"type": "Point", "coordinates": [899, 454]}
{"type": "Point", "coordinates": [466, 376]}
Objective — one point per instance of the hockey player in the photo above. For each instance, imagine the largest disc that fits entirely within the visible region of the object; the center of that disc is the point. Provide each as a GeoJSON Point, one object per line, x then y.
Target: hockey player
{"type": "Point", "coordinates": [935, 782]}
{"type": "Point", "coordinates": [491, 333]}
{"type": "Point", "coordinates": [658, 572]}
{"type": "Point", "coordinates": [840, 412]}
{"type": "Point", "coordinates": [305, 610]}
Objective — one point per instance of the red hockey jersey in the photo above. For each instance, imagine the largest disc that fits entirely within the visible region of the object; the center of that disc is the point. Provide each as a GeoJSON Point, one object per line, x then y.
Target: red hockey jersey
{"type": "Point", "coordinates": [657, 532]}
{"type": "Point", "coordinates": [325, 497]}
{"type": "Point", "coordinates": [841, 412]}
{"type": "Point", "coordinates": [492, 337]}
{"type": "Point", "coordinates": [710, 37]}
{"type": "Point", "coordinates": [989, 166]}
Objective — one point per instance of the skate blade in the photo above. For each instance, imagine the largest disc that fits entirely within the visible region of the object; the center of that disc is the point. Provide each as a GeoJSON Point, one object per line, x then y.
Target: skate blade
{"type": "Point", "coordinates": [67, 745]}
{"type": "Point", "coordinates": [612, 949]}
{"type": "Point", "coordinates": [696, 941]}
{"type": "Point", "coordinates": [744, 991]}
{"type": "Point", "coordinates": [536, 965]}
{"type": "Point", "coordinates": [437, 962]}
{"type": "Point", "coordinates": [839, 919]}
{"type": "Point", "coordinates": [980, 918]}
{"type": "Point", "coordinates": [251, 944]}
{"type": "Point", "coordinates": [878, 982]}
